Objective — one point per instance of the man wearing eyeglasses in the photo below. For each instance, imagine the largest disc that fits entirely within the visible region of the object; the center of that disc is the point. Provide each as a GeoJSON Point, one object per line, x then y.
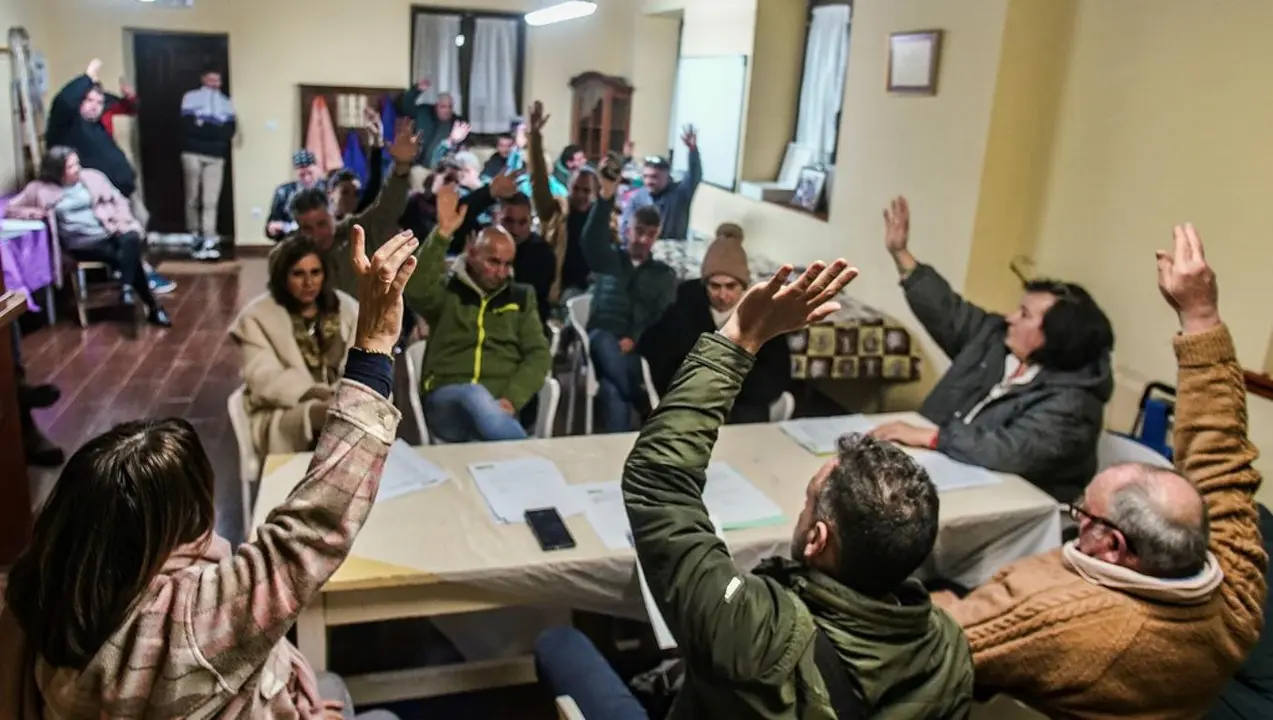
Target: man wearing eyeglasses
{"type": "Point", "coordinates": [1149, 612]}
{"type": "Point", "coordinates": [671, 197]}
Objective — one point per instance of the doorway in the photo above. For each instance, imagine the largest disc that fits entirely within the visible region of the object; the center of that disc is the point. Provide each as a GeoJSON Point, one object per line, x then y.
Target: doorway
{"type": "Point", "coordinates": [167, 65]}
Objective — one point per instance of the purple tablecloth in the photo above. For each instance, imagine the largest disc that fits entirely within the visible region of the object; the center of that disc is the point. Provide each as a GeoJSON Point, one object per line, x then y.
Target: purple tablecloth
{"type": "Point", "coordinates": [27, 258]}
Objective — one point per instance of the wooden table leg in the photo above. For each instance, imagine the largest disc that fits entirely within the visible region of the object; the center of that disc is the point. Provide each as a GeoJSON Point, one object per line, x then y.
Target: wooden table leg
{"type": "Point", "coordinates": [311, 635]}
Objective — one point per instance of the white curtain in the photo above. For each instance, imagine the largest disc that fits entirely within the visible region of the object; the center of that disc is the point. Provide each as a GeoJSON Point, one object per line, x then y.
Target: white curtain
{"type": "Point", "coordinates": [822, 92]}
{"type": "Point", "coordinates": [436, 57]}
{"type": "Point", "coordinates": [493, 104]}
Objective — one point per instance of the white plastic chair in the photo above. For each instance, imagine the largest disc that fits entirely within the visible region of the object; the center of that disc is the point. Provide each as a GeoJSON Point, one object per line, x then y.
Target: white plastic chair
{"type": "Point", "coordinates": [783, 408]}
{"type": "Point", "coordinates": [649, 384]}
{"type": "Point", "coordinates": [249, 461]}
{"type": "Point", "coordinates": [1115, 449]}
{"type": "Point", "coordinates": [577, 311]}
{"type": "Point", "coordinates": [546, 414]}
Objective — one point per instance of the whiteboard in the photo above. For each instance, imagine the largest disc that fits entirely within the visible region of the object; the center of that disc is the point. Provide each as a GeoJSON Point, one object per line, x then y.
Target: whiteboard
{"type": "Point", "coordinates": [709, 95]}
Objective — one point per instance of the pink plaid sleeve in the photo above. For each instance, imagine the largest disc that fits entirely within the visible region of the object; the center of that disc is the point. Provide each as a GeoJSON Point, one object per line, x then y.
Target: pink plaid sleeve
{"type": "Point", "coordinates": [245, 604]}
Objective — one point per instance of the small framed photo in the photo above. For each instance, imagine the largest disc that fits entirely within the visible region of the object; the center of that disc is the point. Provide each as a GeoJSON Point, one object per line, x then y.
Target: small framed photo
{"type": "Point", "coordinates": [913, 59]}
{"type": "Point", "coordinates": [809, 189]}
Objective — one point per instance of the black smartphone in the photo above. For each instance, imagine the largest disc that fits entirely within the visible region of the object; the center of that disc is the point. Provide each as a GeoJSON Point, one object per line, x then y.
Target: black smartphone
{"type": "Point", "coordinates": [550, 530]}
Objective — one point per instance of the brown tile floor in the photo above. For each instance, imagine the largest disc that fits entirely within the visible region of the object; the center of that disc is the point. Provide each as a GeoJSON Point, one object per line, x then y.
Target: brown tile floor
{"type": "Point", "coordinates": [112, 371]}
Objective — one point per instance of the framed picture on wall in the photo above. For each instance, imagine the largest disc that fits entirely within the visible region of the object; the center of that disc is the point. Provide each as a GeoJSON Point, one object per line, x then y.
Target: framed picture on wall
{"type": "Point", "coordinates": [913, 60]}
{"type": "Point", "coordinates": [809, 188]}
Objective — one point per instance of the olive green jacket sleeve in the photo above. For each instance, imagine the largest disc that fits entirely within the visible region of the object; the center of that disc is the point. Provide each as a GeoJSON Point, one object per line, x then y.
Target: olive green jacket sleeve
{"type": "Point", "coordinates": [536, 360]}
{"type": "Point", "coordinates": [426, 290]}
{"type": "Point", "coordinates": [731, 625]}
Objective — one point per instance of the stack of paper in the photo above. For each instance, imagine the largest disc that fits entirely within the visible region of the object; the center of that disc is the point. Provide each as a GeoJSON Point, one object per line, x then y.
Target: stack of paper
{"type": "Point", "coordinates": [406, 471]}
{"type": "Point", "coordinates": [511, 487]}
{"type": "Point", "coordinates": [820, 436]}
{"type": "Point", "coordinates": [949, 474]}
{"type": "Point", "coordinates": [603, 506]}
{"type": "Point", "coordinates": [735, 502]}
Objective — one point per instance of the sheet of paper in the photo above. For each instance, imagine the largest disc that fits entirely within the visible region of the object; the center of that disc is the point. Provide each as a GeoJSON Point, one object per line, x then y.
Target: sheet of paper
{"type": "Point", "coordinates": [603, 506]}
{"type": "Point", "coordinates": [662, 634]}
{"type": "Point", "coordinates": [511, 487]}
{"type": "Point", "coordinates": [406, 471]}
{"type": "Point", "coordinates": [949, 474]}
{"type": "Point", "coordinates": [820, 435]}
{"type": "Point", "coordinates": [735, 502]}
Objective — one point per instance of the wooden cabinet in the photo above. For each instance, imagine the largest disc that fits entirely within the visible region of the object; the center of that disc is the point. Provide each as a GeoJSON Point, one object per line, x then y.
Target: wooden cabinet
{"type": "Point", "coordinates": [15, 490]}
{"type": "Point", "coordinates": [602, 113]}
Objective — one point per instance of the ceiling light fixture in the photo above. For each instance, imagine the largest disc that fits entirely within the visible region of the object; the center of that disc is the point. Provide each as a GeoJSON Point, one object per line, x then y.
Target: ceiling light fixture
{"type": "Point", "coordinates": [562, 11]}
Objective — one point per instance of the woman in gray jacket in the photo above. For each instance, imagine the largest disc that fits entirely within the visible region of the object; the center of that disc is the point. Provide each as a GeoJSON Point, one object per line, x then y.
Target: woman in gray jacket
{"type": "Point", "coordinates": [1024, 394]}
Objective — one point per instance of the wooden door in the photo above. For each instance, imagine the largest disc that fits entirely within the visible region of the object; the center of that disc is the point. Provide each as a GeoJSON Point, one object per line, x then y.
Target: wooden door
{"type": "Point", "coordinates": [167, 66]}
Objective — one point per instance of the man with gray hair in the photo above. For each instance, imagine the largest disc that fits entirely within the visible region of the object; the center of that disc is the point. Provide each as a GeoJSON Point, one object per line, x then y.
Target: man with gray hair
{"type": "Point", "coordinates": [1149, 612]}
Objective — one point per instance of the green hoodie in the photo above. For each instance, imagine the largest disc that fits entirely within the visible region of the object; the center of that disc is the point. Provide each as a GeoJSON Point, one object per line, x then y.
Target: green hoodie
{"type": "Point", "coordinates": [747, 638]}
{"type": "Point", "coordinates": [494, 339]}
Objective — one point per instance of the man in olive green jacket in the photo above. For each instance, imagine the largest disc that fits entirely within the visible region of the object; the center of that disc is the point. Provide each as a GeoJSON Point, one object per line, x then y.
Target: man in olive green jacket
{"type": "Point", "coordinates": [487, 355]}
{"type": "Point", "coordinates": [870, 519]}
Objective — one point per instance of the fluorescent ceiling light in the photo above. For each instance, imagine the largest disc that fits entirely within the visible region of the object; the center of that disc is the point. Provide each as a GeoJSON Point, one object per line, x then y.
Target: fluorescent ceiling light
{"type": "Point", "coordinates": [562, 11]}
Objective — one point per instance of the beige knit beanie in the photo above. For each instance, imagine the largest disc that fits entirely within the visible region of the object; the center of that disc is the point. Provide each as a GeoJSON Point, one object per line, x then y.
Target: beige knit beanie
{"type": "Point", "coordinates": [726, 256]}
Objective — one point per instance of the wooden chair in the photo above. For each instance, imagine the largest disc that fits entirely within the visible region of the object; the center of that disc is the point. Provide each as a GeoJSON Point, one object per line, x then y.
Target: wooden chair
{"type": "Point", "coordinates": [78, 270]}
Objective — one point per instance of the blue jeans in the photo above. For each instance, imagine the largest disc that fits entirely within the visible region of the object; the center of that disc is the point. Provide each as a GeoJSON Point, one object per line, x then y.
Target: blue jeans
{"type": "Point", "coordinates": [569, 664]}
{"type": "Point", "coordinates": [468, 413]}
{"type": "Point", "coordinates": [618, 380]}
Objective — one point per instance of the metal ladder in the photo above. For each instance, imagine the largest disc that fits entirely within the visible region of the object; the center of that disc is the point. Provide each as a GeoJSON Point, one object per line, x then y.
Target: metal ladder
{"type": "Point", "coordinates": [31, 112]}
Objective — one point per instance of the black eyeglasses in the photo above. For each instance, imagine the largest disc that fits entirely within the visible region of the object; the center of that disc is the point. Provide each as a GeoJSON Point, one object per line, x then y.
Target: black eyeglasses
{"type": "Point", "coordinates": [1077, 512]}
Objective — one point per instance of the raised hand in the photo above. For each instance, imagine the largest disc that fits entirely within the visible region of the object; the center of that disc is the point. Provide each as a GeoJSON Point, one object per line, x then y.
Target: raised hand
{"type": "Point", "coordinates": [423, 84]}
{"type": "Point", "coordinates": [450, 212]}
{"type": "Point", "coordinates": [94, 69]}
{"type": "Point", "coordinates": [897, 225]}
{"type": "Point", "coordinates": [405, 147]}
{"type": "Point", "coordinates": [504, 185]}
{"type": "Point", "coordinates": [1187, 283]}
{"type": "Point", "coordinates": [610, 174]}
{"type": "Point", "coordinates": [126, 89]}
{"type": "Point", "coordinates": [772, 308]}
{"type": "Point", "coordinates": [381, 280]}
{"type": "Point", "coordinates": [689, 136]}
{"type": "Point", "coordinates": [375, 126]}
{"type": "Point", "coordinates": [459, 131]}
{"type": "Point", "coordinates": [537, 118]}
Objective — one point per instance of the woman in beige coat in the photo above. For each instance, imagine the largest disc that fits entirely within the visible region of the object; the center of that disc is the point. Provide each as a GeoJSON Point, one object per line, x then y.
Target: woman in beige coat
{"type": "Point", "coordinates": [294, 339]}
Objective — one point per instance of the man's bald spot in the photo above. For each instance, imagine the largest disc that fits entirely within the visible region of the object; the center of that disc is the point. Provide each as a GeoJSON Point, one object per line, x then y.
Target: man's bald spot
{"type": "Point", "coordinates": [1172, 493]}
{"type": "Point", "coordinates": [493, 239]}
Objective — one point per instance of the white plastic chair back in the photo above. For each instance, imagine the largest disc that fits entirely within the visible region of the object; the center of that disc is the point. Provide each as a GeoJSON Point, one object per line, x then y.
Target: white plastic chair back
{"type": "Point", "coordinates": [1115, 449]}
{"type": "Point", "coordinates": [249, 461]}
{"type": "Point", "coordinates": [783, 408]}
{"type": "Point", "coordinates": [414, 355]}
{"type": "Point", "coordinates": [546, 414]}
{"type": "Point", "coordinates": [577, 311]}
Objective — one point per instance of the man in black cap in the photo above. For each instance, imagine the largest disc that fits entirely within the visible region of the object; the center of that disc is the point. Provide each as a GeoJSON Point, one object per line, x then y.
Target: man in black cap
{"type": "Point", "coordinates": [280, 222]}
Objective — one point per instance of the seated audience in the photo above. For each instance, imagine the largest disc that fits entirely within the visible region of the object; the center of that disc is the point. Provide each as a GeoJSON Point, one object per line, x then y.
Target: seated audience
{"type": "Point", "coordinates": [487, 354]}
{"type": "Point", "coordinates": [535, 262]}
{"type": "Point", "coordinates": [452, 144]}
{"type": "Point", "coordinates": [421, 215]}
{"type": "Point", "coordinates": [672, 198]}
{"type": "Point", "coordinates": [294, 339]}
{"type": "Point", "coordinates": [1024, 394]}
{"type": "Point", "coordinates": [1249, 695]}
{"type": "Point", "coordinates": [280, 222]}
{"type": "Point", "coordinates": [561, 221]}
{"type": "Point", "coordinates": [702, 306]}
{"type": "Point", "coordinates": [1151, 610]}
{"type": "Point", "coordinates": [751, 639]}
{"type": "Point", "coordinates": [94, 223]}
{"type": "Point", "coordinates": [631, 292]}
{"type": "Point", "coordinates": [316, 217]}
{"type": "Point", "coordinates": [498, 161]}
{"type": "Point", "coordinates": [128, 604]}
{"type": "Point", "coordinates": [345, 190]}
{"type": "Point", "coordinates": [568, 163]}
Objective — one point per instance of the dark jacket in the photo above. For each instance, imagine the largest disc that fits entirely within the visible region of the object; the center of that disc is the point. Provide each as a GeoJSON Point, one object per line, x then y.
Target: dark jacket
{"type": "Point", "coordinates": [1045, 431]}
{"type": "Point", "coordinates": [421, 215]}
{"type": "Point", "coordinates": [433, 132]}
{"type": "Point", "coordinates": [92, 141]}
{"type": "Point", "coordinates": [281, 208]}
{"type": "Point", "coordinates": [749, 651]}
{"type": "Point", "coordinates": [673, 203]}
{"type": "Point", "coordinates": [1249, 695]}
{"type": "Point", "coordinates": [626, 299]}
{"type": "Point", "coordinates": [495, 339]}
{"type": "Point", "coordinates": [666, 345]}
{"type": "Point", "coordinates": [207, 128]}
{"type": "Point", "coordinates": [536, 265]}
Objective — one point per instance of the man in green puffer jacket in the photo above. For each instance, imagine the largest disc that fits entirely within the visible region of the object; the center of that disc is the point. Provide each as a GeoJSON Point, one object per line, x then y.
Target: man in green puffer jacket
{"type": "Point", "coordinates": [487, 355]}
{"type": "Point", "coordinates": [869, 520]}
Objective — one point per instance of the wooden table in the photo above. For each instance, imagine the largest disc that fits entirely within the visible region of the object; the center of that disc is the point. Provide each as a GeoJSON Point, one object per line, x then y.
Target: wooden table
{"type": "Point", "coordinates": [437, 552]}
{"type": "Point", "coordinates": [15, 485]}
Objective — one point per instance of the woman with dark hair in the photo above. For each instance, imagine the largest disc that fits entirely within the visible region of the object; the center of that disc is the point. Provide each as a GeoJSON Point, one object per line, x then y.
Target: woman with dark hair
{"type": "Point", "coordinates": [92, 220]}
{"type": "Point", "coordinates": [294, 338]}
{"type": "Point", "coordinates": [1025, 392]}
{"type": "Point", "coordinates": [128, 604]}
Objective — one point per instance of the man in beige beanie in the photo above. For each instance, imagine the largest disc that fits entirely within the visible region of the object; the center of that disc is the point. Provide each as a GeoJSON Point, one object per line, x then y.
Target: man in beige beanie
{"type": "Point", "coordinates": [702, 306]}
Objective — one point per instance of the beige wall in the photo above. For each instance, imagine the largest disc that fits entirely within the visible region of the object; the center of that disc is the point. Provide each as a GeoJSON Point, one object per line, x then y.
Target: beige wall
{"type": "Point", "coordinates": [30, 14]}
{"type": "Point", "coordinates": [277, 44]}
{"type": "Point", "coordinates": [1165, 118]}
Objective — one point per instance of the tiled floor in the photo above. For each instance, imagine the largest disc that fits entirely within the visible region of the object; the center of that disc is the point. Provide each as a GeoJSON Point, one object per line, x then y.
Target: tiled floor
{"type": "Point", "coordinates": [114, 371]}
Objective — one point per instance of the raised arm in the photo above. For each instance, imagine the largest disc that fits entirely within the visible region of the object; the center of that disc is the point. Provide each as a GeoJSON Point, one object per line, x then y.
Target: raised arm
{"type": "Point", "coordinates": [1211, 443]}
{"type": "Point", "coordinates": [949, 319]}
{"type": "Point", "coordinates": [259, 591]}
{"type": "Point", "coordinates": [426, 292]}
{"type": "Point", "coordinates": [597, 241]}
{"type": "Point", "coordinates": [66, 104]}
{"type": "Point", "coordinates": [707, 600]}
{"type": "Point", "coordinates": [381, 219]}
{"type": "Point", "coordinates": [546, 206]}
{"type": "Point", "coordinates": [694, 176]}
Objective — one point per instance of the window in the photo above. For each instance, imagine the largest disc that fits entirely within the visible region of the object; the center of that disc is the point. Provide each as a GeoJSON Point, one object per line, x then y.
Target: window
{"type": "Point", "coordinates": [477, 57]}
{"type": "Point", "coordinates": [822, 78]}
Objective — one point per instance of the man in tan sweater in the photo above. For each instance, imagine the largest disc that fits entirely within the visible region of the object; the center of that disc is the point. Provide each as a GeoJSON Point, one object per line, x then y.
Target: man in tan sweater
{"type": "Point", "coordinates": [1152, 609]}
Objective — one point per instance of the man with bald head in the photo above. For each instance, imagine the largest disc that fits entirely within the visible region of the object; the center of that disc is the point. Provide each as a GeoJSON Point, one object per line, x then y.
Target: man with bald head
{"type": "Point", "coordinates": [487, 354]}
{"type": "Point", "coordinates": [1149, 612]}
